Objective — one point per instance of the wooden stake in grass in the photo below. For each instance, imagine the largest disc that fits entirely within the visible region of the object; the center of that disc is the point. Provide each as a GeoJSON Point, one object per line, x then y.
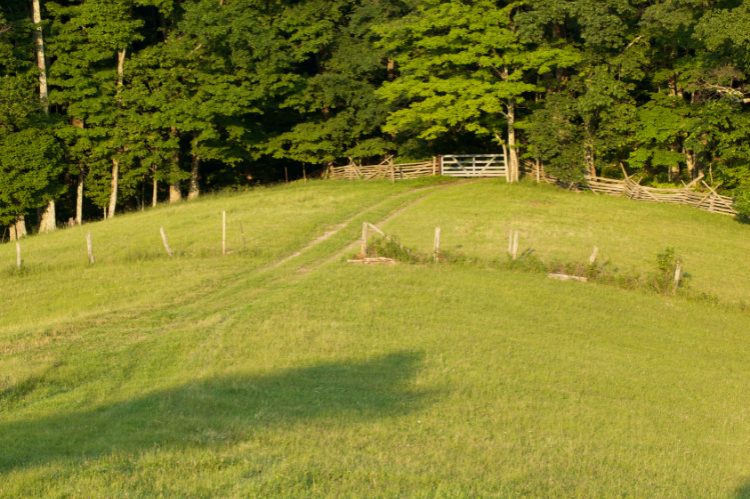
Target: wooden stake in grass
{"type": "Point", "coordinates": [18, 255]}
{"type": "Point", "coordinates": [223, 232]}
{"type": "Point", "coordinates": [437, 244]}
{"type": "Point", "coordinates": [363, 248]}
{"type": "Point", "coordinates": [242, 233]}
{"type": "Point", "coordinates": [88, 246]}
{"type": "Point", "coordinates": [515, 244]}
{"type": "Point", "coordinates": [166, 244]}
{"type": "Point", "coordinates": [592, 258]}
{"type": "Point", "coordinates": [677, 272]}
{"type": "Point", "coordinates": [510, 243]}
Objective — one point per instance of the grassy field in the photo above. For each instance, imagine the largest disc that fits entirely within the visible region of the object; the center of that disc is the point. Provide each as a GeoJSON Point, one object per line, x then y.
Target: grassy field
{"type": "Point", "coordinates": [211, 376]}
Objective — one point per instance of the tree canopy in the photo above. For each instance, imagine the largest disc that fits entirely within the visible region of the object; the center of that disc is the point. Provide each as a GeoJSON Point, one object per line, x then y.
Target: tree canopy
{"type": "Point", "coordinates": [155, 99]}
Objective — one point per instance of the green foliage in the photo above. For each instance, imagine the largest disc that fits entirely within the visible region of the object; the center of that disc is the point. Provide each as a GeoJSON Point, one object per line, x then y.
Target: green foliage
{"type": "Point", "coordinates": [245, 90]}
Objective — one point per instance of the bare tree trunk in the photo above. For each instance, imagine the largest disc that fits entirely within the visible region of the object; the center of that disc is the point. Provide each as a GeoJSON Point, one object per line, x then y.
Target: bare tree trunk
{"type": "Point", "coordinates": [48, 221]}
{"type": "Point", "coordinates": [20, 228]}
{"type": "Point", "coordinates": [13, 236]}
{"type": "Point", "coordinates": [513, 163]}
{"type": "Point", "coordinates": [154, 197]}
{"type": "Point", "coordinates": [48, 218]}
{"type": "Point", "coordinates": [79, 199]}
{"type": "Point", "coordinates": [690, 160]}
{"type": "Point", "coordinates": [40, 59]}
{"type": "Point", "coordinates": [588, 151]}
{"type": "Point", "coordinates": [391, 70]}
{"type": "Point", "coordinates": [120, 70]}
{"type": "Point", "coordinates": [113, 187]}
{"type": "Point", "coordinates": [195, 189]}
{"type": "Point", "coordinates": [116, 162]}
{"type": "Point", "coordinates": [78, 123]}
{"type": "Point", "coordinates": [175, 194]}
{"type": "Point", "coordinates": [175, 191]}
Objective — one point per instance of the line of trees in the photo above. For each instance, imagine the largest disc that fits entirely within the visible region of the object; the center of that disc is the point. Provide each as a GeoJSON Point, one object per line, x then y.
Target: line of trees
{"type": "Point", "coordinates": [110, 105]}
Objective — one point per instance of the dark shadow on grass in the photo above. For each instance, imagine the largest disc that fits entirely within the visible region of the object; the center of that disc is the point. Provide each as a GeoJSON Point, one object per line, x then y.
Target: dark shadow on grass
{"type": "Point", "coordinates": [743, 490]}
{"type": "Point", "coordinates": [220, 410]}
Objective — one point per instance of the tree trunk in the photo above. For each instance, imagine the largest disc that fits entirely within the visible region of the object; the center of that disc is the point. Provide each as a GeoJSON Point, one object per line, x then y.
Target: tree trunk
{"type": "Point", "coordinates": [120, 72]}
{"type": "Point", "coordinates": [48, 221]}
{"type": "Point", "coordinates": [40, 59]}
{"type": "Point", "coordinates": [391, 70]}
{"type": "Point", "coordinates": [154, 197]}
{"type": "Point", "coordinates": [175, 194]}
{"type": "Point", "coordinates": [48, 218]}
{"type": "Point", "coordinates": [79, 200]}
{"type": "Point", "coordinates": [195, 189]}
{"type": "Point", "coordinates": [13, 236]}
{"type": "Point", "coordinates": [113, 187]}
{"type": "Point", "coordinates": [20, 228]}
{"type": "Point", "coordinates": [513, 163]}
{"type": "Point", "coordinates": [690, 160]}
{"type": "Point", "coordinates": [588, 151]}
{"type": "Point", "coordinates": [175, 191]}
{"type": "Point", "coordinates": [116, 162]}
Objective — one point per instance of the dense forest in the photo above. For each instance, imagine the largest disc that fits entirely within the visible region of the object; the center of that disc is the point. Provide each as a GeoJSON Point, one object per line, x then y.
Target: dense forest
{"type": "Point", "coordinates": [113, 105]}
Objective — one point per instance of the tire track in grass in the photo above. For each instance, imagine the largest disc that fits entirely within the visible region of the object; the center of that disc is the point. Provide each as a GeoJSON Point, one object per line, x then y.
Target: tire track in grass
{"type": "Point", "coordinates": [393, 215]}
{"type": "Point", "coordinates": [328, 234]}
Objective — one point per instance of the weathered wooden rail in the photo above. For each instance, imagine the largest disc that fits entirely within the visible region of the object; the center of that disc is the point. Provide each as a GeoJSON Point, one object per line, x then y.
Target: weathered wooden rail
{"type": "Point", "coordinates": [474, 165]}
{"type": "Point", "coordinates": [709, 201]}
{"type": "Point", "coordinates": [385, 170]}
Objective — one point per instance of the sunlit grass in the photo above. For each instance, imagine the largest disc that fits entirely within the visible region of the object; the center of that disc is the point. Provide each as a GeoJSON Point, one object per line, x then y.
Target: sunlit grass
{"type": "Point", "coordinates": [556, 224]}
{"type": "Point", "coordinates": [354, 381]}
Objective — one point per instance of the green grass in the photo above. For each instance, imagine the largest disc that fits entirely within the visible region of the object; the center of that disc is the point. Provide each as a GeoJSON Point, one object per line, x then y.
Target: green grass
{"type": "Point", "coordinates": [216, 378]}
{"type": "Point", "coordinates": [555, 224]}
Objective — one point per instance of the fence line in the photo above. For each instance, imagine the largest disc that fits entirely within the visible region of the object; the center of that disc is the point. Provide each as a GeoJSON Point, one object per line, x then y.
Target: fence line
{"type": "Point", "coordinates": [495, 165]}
{"type": "Point", "coordinates": [385, 170]}
{"type": "Point", "coordinates": [711, 201]}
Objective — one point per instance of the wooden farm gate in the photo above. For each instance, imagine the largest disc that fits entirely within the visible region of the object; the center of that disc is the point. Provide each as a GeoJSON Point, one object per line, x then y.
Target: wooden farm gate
{"type": "Point", "coordinates": [474, 165]}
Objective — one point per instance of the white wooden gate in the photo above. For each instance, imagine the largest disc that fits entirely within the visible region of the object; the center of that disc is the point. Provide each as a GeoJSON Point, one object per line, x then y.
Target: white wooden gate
{"type": "Point", "coordinates": [474, 165]}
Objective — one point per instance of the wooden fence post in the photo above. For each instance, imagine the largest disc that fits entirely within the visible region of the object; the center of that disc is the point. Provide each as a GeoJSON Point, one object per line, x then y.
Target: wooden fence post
{"type": "Point", "coordinates": [18, 255]}
{"type": "Point", "coordinates": [363, 247]}
{"type": "Point", "coordinates": [510, 243]}
{"type": "Point", "coordinates": [90, 250]}
{"type": "Point", "coordinates": [242, 233]}
{"type": "Point", "coordinates": [436, 251]}
{"type": "Point", "coordinates": [515, 245]}
{"type": "Point", "coordinates": [223, 232]}
{"type": "Point", "coordinates": [166, 244]}
{"type": "Point", "coordinates": [677, 272]}
{"type": "Point", "coordinates": [592, 258]}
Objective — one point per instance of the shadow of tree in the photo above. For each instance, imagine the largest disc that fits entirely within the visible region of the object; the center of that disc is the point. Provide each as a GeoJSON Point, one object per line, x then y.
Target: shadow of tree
{"type": "Point", "coordinates": [219, 410]}
{"type": "Point", "coordinates": [743, 490]}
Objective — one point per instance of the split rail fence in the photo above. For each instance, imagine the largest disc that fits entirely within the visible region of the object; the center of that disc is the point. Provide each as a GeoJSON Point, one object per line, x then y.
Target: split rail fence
{"type": "Point", "coordinates": [710, 201]}
{"type": "Point", "coordinates": [495, 165]}
{"type": "Point", "coordinates": [383, 171]}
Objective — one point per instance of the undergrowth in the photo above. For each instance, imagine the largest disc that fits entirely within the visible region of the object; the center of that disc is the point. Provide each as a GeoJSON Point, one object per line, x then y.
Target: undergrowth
{"type": "Point", "coordinates": [659, 280]}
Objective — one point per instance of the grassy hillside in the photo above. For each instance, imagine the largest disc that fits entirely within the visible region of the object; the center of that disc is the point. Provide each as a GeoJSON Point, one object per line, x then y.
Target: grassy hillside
{"type": "Point", "coordinates": [211, 376]}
